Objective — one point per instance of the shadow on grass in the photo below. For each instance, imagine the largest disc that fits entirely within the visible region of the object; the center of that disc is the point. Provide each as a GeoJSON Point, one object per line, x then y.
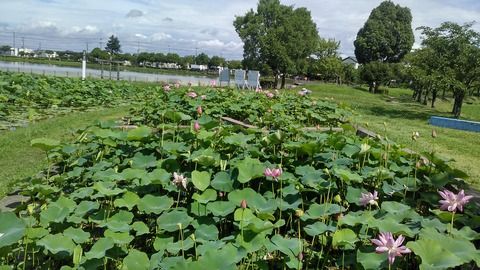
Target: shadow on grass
{"type": "Point", "coordinates": [404, 111]}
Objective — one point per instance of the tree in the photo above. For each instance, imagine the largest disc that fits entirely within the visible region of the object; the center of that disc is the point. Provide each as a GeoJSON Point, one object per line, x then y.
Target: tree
{"type": "Point", "coordinates": [216, 61]}
{"type": "Point", "coordinates": [375, 73]}
{"type": "Point", "coordinates": [325, 63]}
{"type": "Point", "coordinates": [451, 52]}
{"type": "Point", "coordinates": [5, 49]}
{"type": "Point", "coordinates": [172, 58]}
{"type": "Point", "coordinates": [113, 45]}
{"type": "Point", "coordinates": [387, 35]}
{"type": "Point", "coordinates": [234, 64]}
{"type": "Point", "coordinates": [99, 54]}
{"type": "Point", "coordinates": [278, 36]}
{"type": "Point", "coordinates": [202, 59]}
{"type": "Point", "coordinates": [187, 60]}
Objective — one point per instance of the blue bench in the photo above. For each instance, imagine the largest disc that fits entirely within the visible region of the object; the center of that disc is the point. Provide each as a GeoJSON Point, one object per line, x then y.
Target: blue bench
{"type": "Point", "coordinates": [454, 123]}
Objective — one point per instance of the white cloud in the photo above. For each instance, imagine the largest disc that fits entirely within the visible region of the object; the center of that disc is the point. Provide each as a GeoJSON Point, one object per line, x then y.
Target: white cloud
{"type": "Point", "coordinates": [142, 36]}
{"type": "Point", "coordinates": [160, 36]}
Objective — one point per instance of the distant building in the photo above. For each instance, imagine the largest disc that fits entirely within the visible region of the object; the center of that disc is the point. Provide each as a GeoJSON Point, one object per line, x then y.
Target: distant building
{"type": "Point", "coordinates": [198, 67]}
{"type": "Point", "coordinates": [169, 65]}
{"type": "Point", "coordinates": [26, 51]}
{"type": "Point", "coordinates": [46, 54]}
{"type": "Point", "coordinates": [351, 61]}
{"type": "Point", "coordinates": [13, 51]}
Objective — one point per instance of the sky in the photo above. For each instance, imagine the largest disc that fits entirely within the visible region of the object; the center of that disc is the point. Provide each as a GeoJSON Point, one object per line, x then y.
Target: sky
{"type": "Point", "coordinates": [188, 27]}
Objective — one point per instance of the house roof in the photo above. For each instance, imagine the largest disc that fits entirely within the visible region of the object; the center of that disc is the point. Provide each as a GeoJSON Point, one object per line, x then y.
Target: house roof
{"type": "Point", "coordinates": [350, 59]}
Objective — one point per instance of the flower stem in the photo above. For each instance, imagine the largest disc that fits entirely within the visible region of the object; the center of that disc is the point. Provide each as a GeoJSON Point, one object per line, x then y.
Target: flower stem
{"type": "Point", "coordinates": [178, 198]}
{"type": "Point", "coordinates": [451, 223]}
{"type": "Point", "coordinates": [241, 225]}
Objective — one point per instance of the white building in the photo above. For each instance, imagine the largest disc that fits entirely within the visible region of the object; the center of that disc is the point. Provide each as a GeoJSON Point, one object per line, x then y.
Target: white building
{"type": "Point", "coordinates": [351, 61]}
{"type": "Point", "coordinates": [198, 67]}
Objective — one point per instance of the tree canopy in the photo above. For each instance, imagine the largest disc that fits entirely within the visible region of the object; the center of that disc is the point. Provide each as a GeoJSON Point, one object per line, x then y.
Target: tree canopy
{"type": "Point", "coordinates": [278, 36]}
{"type": "Point", "coordinates": [450, 52]}
{"type": "Point", "coordinates": [113, 45]}
{"type": "Point", "coordinates": [387, 35]}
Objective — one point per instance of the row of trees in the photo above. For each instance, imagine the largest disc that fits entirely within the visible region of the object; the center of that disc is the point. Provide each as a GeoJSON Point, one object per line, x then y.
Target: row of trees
{"type": "Point", "coordinates": [447, 62]}
{"type": "Point", "coordinates": [113, 48]}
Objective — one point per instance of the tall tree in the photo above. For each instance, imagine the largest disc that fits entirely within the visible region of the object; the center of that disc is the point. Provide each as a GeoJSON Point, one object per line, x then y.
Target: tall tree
{"type": "Point", "coordinates": [278, 36]}
{"type": "Point", "coordinates": [387, 35]}
{"type": "Point", "coordinates": [202, 59]}
{"type": "Point", "coordinates": [454, 52]}
{"type": "Point", "coordinates": [113, 45]}
{"type": "Point", "coordinates": [325, 62]}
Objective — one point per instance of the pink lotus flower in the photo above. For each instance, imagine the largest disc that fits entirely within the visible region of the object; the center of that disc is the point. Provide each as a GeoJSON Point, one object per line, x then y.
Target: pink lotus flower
{"type": "Point", "coordinates": [274, 173]}
{"type": "Point", "coordinates": [301, 93]}
{"type": "Point", "coordinates": [192, 94]}
{"type": "Point", "coordinates": [166, 88]}
{"type": "Point", "coordinates": [179, 180]}
{"type": "Point", "coordinates": [369, 198]}
{"type": "Point", "coordinates": [177, 85]}
{"type": "Point", "coordinates": [213, 83]}
{"type": "Point", "coordinates": [452, 201]}
{"type": "Point", "coordinates": [258, 90]}
{"type": "Point", "coordinates": [394, 248]}
{"type": "Point", "coordinates": [270, 94]}
{"type": "Point", "coordinates": [199, 110]}
{"type": "Point", "coordinates": [196, 126]}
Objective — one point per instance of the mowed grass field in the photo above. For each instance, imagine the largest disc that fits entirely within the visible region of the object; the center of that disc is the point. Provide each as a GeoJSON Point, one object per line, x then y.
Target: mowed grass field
{"type": "Point", "coordinates": [19, 160]}
{"type": "Point", "coordinates": [402, 116]}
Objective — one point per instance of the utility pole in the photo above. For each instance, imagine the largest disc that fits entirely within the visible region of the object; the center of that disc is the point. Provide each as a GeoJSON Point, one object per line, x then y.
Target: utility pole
{"type": "Point", "coordinates": [138, 47]}
{"type": "Point", "coordinates": [100, 44]}
{"type": "Point", "coordinates": [23, 44]}
{"type": "Point", "coordinates": [14, 40]}
{"type": "Point", "coordinates": [169, 49]}
{"type": "Point", "coordinates": [196, 51]}
{"type": "Point", "coordinates": [84, 65]}
{"type": "Point", "coordinates": [87, 46]}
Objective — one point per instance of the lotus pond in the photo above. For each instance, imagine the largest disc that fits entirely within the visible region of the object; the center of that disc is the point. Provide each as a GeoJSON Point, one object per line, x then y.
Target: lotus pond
{"type": "Point", "coordinates": [26, 98]}
{"type": "Point", "coordinates": [186, 190]}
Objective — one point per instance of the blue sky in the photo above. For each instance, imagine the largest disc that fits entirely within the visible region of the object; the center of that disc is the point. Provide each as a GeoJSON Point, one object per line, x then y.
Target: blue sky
{"type": "Point", "coordinates": [189, 26]}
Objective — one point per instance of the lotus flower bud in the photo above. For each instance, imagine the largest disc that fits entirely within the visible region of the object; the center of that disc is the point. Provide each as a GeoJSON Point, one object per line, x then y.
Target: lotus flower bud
{"type": "Point", "coordinates": [243, 204]}
{"type": "Point", "coordinates": [337, 198]}
{"type": "Point", "coordinates": [299, 212]}
{"type": "Point", "coordinates": [196, 126]}
{"type": "Point", "coordinates": [199, 110]}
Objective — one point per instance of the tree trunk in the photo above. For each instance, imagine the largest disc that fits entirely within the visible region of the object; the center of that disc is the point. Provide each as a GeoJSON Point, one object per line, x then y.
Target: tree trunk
{"type": "Point", "coordinates": [457, 105]}
{"type": "Point", "coordinates": [425, 97]}
{"type": "Point", "coordinates": [275, 82]}
{"type": "Point", "coordinates": [419, 95]}
{"type": "Point", "coordinates": [375, 90]}
{"type": "Point", "coordinates": [443, 94]}
{"type": "Point", "coordinates": [434, 97]}
{"type": "Point", "coordinates": [283, 81]}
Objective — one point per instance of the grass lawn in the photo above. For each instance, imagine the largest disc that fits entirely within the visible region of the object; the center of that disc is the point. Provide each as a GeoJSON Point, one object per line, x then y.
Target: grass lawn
{"type": "Point", "coordinates": [402, 117]}
{"type": "Point", "coordinates": [19, 160]}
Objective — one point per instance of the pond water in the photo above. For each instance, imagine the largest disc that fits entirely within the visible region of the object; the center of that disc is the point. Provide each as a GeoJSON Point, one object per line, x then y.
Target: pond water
{"type": "Point", "coordinates": [95, 73]}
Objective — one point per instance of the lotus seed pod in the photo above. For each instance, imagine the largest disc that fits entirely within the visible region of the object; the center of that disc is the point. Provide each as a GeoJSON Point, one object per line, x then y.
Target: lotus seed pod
{"type": "Point", "coordinates": [299, 212]}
